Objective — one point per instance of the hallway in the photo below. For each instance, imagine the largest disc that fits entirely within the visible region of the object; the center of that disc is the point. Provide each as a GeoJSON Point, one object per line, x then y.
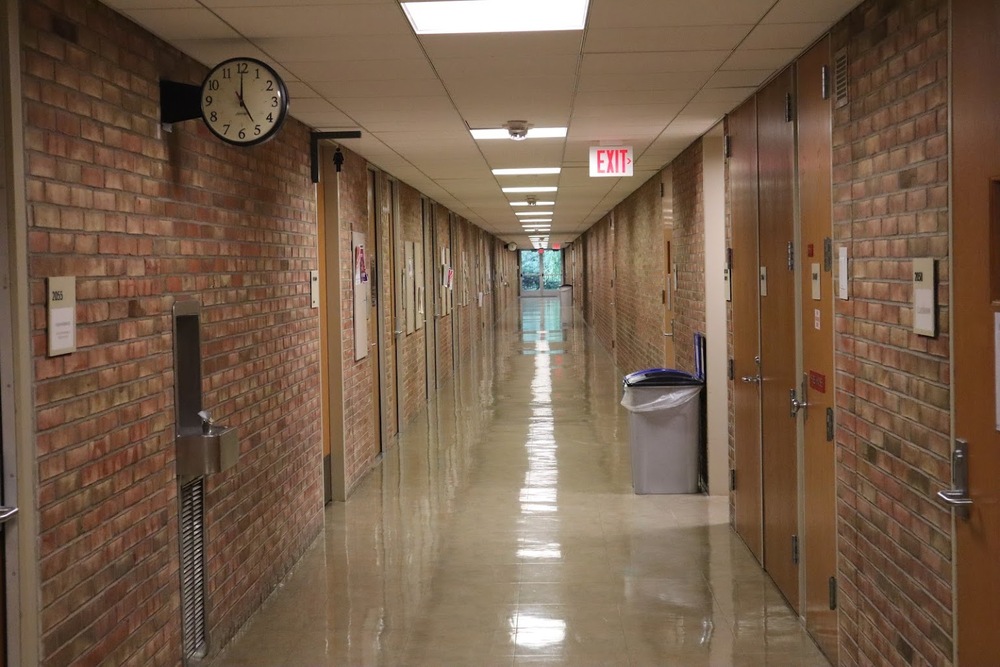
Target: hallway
{"type": "Point", "coordinates": [502, 530]}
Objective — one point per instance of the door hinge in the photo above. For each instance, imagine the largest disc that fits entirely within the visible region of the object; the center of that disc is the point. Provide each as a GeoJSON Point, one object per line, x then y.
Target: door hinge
{"type": "Point", "coordinates": [828, 254]}
{"type": "Point", "coordinates": [732, 479]}
{"type": "Point", "coordinates": [791, 256]}
{"type": "Point", "coordinates": [661, 190]}
{"type": "Point", "coordinates": [663, 299]}
{"type": "Point", "coordinates": [729, 258]}
{"type": "Point", "coordinates": [833, 593]}
{"type": "Point", "coordinates": [727, 146]}
{"type": "Point", "coordinates": [732, 369]}
{"type": "Point", "coordinates": [795, 549]}
{"type": "Point", "coordinates": [824, 73]}
{"type": "Point", "coordinates": [788, 107]}
{"type": "Point", "coordinates": [829, 424]}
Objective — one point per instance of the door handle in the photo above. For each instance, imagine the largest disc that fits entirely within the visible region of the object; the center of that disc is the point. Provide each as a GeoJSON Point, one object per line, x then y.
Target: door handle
{"type": "Point", "coordinates": [7, 513]}
{"type": "Point", "coordinates": [751, 379]}
{"type": "Point", "coordinates": [796, 404]}
{"type": "Point", "coordinates": [957, 497]}
{"type": "Point", "coordinates": [667, 335]}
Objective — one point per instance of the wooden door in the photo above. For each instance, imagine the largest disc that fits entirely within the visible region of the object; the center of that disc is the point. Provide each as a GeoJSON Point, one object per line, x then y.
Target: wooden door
{"type": "Point", "coordinates": [776, 163]}
{"type": "Point", "coordinates": [747, 518]}
{"type": "Point", "coordinates": [976, 272]}
{"type": "Point", "coordinates": [667, 199]}
{"type": "Point", "coordinates": [428, 296]}
{"type": "Point", "coordinates": [374, 265]}
{"type": "Point", "coordinates": [819, 539]}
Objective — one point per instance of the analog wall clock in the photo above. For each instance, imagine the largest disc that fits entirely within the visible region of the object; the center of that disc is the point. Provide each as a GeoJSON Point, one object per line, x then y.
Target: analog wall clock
{"type": "Point", "coordinates": [243, 101]}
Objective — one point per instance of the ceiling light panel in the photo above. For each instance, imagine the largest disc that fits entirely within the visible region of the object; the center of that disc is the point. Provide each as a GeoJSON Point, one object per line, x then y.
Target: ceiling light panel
{"type": "Point", "coordinates": [537, 203]}
{"type": "Point", "coordinates": [462, 17]}
{"type": "Point", "coordinates": [533, 133]}
{"type": "Point", "coordinates": [527, 171]}
{"type": "Point", "coordinates": [532, 189]}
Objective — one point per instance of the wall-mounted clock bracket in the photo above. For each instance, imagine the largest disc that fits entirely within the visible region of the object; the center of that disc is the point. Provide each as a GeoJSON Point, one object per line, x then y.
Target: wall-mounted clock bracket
{"type": "Point", "coordinates": [179, 101]}
{"type": "Point", "coordinates": [316, 137]}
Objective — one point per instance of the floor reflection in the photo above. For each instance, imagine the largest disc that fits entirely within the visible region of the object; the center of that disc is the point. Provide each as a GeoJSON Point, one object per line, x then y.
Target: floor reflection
{"type": "Point", "coordinates": [502, 530]}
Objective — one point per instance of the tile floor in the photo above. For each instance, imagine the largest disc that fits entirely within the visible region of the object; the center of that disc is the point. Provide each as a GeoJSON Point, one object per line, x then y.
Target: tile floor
{"type": "Point", "coordinates": [502, 529]}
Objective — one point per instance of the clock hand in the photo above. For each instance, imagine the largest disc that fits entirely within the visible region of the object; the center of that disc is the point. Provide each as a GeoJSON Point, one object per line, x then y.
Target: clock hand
{"type": "Point", "coordinates": [242, 103]}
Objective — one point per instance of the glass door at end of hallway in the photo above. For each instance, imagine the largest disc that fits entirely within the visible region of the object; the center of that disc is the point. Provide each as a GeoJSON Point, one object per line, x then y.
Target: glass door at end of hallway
{"type": "Point", "coordinates": [541, 272]}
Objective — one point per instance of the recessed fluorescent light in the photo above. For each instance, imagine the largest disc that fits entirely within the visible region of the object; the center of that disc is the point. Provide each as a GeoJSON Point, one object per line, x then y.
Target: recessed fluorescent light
{"type": "Point", "coordinates": [504, 133]}
{"type": "Point", "coordinates": [537, 203]}
{"type": "Point", "coordinates": [534, 221]}
{"type": "Point", "coordinates": [527, 171]}
{"type": "Point", "coordinates": [459, 16]}
{"type": "Point", "coordinates": [532, 213]}
{"type": "Point", "coordinates": [532, 189]}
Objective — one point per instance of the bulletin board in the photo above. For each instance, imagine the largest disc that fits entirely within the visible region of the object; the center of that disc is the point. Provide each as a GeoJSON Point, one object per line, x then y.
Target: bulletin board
{"type": "Point", "coordinates": [418, 281]}
{"type": "Point", "coordinates": [362, 295]}
{"type": "Point", "coordinates": [409, 288]}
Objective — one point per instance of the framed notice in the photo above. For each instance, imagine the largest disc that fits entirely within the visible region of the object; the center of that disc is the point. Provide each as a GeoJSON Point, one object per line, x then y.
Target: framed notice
{"type": "Point", "coordinates": [409, 288]}
{"type": "Point", "coordinates": [418, 280]}
{"type": "Point", "coordinates": [362, 295]}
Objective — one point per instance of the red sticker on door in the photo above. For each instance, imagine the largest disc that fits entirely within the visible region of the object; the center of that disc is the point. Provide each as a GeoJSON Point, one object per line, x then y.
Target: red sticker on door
{"type": "Point", "coordinates": [817, 381]}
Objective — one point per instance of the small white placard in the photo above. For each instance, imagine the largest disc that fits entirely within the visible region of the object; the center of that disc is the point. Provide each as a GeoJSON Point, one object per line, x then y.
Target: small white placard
{"type": "Point", "coordinates": [763, 281]}
{"type": "Point", "coordinates": [314, 288]}
{"type": "Point", "coordinates": [816, 289]}
{"type": "Point", "coordinates": [62, 315]}
{"type": "Point", "coordinates": [924, 297]}
{"type": "Point", "coordinates": [817, 319]}
{"type": "Point", "coordinates": [728, 283]}
{"type": "Point", "coordinates": [842, 273]}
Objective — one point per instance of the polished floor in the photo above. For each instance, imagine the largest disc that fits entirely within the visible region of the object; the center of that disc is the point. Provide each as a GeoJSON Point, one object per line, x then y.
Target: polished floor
{"type": "Point", "coordinates": [501, 529]}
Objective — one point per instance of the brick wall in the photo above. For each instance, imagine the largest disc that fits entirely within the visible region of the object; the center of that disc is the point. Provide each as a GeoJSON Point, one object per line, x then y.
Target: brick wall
{"type": "Point", "coordinates": [413, 346]}
{"type": "Point", "coordinates": [599, 248]}
{"type": "Point", "coordinates": [689, 252]}
{"type": "Point", "coordinates": [445, 367]}
{"type": "Point", "coordinates": [360, 447]}
{"type": "Point", "coordinates": [640, 278]}
{"type": "Point", "coordinates": [143, 218]}
{"type": "Point", "coordinates": [890, 205]}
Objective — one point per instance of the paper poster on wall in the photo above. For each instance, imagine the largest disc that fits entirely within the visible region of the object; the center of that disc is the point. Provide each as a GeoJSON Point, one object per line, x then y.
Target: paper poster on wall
{"type": "Point", "coordinates": [62, 315]}
{"type": "Point", "coordinates": [409, 288]}
{"type": "Point", "coordinates": [362, 296]}
{"type": "Point", "coordinates": [418, 279]}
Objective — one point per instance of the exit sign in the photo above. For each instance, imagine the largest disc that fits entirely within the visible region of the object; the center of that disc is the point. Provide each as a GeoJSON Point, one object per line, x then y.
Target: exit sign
{"type": "Point", "coordinates": [613, 161]}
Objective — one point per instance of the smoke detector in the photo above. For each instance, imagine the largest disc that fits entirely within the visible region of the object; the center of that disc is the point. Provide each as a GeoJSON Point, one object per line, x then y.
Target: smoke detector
{"type": "Point", "coordinates": [518, 129]}
{"type": "Point", "coordinates": [531, 199]}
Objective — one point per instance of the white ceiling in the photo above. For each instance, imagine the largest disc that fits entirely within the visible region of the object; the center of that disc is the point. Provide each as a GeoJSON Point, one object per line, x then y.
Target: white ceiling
{"type": "Point", "coordinates": [653, 74]}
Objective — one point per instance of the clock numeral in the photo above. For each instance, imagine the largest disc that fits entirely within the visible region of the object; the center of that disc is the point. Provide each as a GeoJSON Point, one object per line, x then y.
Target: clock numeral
{"type": "Point", "coordinates": [227, 73]}
{"type": "Point", "coordinates": [270, 85]}
{"type": "Point", "coordinates": [208, 100]}
{"type": "Point", "coordinates": [213, 116]}
{"type": "Point", "coordinates": [270, 118]}
{"type": "Point", "coordinates": [257, 71]}
{"type": "Point", "coordinates": [213, 84]}
{"type": "Point", "coordinates": [274, 101]}
{"type": "Point", "coordinates": [242, 68]}
{"type": "Point", "coordinates": [256, 130]}
{"type": "Point", "coordinates": [243, 133]}
{"type": "Point", "coordinates": [225, 128]}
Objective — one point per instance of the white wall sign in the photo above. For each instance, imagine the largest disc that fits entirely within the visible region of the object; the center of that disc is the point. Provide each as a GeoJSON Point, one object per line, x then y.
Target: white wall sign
{"type": "Point", "coordinates": [62, 315]}
{"type": "Point", "coordinates": [611, 161]}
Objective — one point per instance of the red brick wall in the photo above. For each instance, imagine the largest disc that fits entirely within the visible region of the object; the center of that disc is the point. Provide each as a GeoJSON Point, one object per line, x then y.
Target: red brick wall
{"type": "Point", "coordinates": [360, 447]}
{"type": "Point", "coordinates": [689, 252]}
{"type": "Point", "coordinates": [599, 247]}
{"type": "Point", "coordinates": [640, 282]}
{"type": "Point", "coordinates": [143, 218]}
{"type": "Point", "coordinates": [413, 368]}
{"type": "Point", "coordinates": [891, 205]}
{"type": "Point", "coordinates": [445, 368]}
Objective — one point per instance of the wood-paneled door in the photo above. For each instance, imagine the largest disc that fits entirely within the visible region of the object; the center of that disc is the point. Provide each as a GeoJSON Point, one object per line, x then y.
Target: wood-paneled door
{"type": "Point", "coordinates": [374, 323]}
{"type": "Point", "coordinates": [667, 202]}
{"type": "Point", "coordinates": [743, 263]}
{"type": "Point", "coordinates": [776, 201]}
{"type": "Point", "coordinates": [976, 290]}
{"type": "Point", "coordinates": [819, 496]}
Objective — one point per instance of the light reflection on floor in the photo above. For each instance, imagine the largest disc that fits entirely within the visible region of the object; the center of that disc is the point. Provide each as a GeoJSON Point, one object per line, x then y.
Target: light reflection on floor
{"type": "Point", "coordinates": [502, 530]}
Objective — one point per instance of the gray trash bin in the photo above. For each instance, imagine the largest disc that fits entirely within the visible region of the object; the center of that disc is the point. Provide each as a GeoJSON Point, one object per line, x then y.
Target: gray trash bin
{"type": "Point", "coordinates": [566, 304]}
{"type": "Point", "coordinates": [664, 429]}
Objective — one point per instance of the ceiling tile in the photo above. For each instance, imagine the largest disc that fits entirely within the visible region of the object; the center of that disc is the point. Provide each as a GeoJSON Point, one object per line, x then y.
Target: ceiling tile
{"type": "Point", "coordinates": [783, 35]}
{"type": "Point", "coordinates": [739, 78]}
{"type": "Point", "coordinates": [760, 59]}
{"type": "Point", "coordinates": [316, 20]}
{"type": "Point", "coordinates": [666, 38]}
{"type": "Point", "coordinates": [344, 48]}
{"type": "Point", "coordinates": [502, 44]}
{"type": "Point", "coordinates": [187, 23]}
{"type": "Point", "coordinates": [796, 11]}
{"type": "Point", "coordinates": [646, 13]}
{"type": "Point", "coordinates": [362, 70]}
{"type": "Point", "coordinates": [691, 81]}
{"type": "Point", "coordinates": [650, 63]}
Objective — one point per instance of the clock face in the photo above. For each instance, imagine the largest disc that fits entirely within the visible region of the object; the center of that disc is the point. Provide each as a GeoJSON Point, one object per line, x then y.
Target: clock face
{"type": "Point", "coordinates": [243, 101]}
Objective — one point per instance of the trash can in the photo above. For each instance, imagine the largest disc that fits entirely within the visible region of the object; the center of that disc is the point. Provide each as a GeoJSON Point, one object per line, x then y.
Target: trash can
{"type": "Point", "coordinates": [664, 429]}
{"type": "Point", "coordinates": [566, 304]}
